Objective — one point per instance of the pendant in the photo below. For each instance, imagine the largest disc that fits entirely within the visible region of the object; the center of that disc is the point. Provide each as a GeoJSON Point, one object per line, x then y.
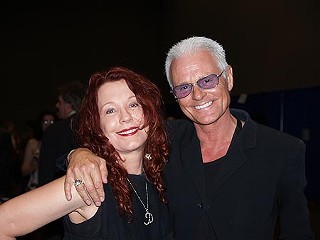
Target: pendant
{"type": "Point", "coordinates": [149, 218]}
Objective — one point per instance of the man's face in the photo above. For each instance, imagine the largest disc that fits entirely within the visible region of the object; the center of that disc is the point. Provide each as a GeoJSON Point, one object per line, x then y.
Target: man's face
{"type": "Point", "coordinates": [64, 108]}
{"type": "Point", "coordinates": [202, 106]}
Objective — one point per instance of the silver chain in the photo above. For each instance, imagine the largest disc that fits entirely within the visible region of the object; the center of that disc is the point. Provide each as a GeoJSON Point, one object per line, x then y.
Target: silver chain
{"type": "Point", "coordinates": [147, 215]}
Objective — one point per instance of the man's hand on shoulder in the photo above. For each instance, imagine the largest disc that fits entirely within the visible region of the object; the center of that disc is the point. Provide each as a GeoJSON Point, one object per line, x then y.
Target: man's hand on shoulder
{"type": "Point", "coordinates": [90, 171]}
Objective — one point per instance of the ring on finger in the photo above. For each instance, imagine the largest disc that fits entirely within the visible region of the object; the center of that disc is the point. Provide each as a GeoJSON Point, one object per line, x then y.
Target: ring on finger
{"type": "Point", "coordinates": [78, 182]}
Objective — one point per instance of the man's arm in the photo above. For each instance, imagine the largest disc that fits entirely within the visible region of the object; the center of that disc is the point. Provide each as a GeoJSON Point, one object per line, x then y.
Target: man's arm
{"type": "Point", "coordinates": [92, 170]}
{"type": "Point", "coordinates": [294, 214]}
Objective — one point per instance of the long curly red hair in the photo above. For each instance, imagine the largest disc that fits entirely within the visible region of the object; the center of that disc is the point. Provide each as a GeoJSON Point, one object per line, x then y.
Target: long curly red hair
{"type": "Point", "coordinates": [90, 135]}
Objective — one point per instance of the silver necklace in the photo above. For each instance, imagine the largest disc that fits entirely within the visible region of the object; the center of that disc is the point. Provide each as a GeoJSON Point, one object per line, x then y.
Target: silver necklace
{"type": "Point", "coordinates": [148, 216]}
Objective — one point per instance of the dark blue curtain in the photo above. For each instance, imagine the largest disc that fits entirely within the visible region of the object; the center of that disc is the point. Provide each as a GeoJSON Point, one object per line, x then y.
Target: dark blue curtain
{"type": "Point", "coordinates": [296, 112]}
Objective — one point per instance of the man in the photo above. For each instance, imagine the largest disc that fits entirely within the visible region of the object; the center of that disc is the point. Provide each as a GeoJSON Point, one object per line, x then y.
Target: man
{"type": "Point", "coordinates": [57, 140]}
{"type": "Point", "coordinates": [227, 176]}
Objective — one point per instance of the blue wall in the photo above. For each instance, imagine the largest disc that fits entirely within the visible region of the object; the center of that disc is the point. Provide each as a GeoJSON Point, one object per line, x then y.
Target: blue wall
{"type": "Point", "coordinates": [296, 112]}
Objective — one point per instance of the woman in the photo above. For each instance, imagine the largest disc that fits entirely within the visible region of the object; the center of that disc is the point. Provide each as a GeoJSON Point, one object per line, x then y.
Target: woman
{"type": "Point", "coordinates": [29, 165]}
{"type": "Point", "coordinates": [120, 121]}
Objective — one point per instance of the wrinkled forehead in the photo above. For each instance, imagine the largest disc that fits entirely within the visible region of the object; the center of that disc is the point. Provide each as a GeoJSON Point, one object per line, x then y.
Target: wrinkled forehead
{"type": "Point", "coordinates": [191, 67]}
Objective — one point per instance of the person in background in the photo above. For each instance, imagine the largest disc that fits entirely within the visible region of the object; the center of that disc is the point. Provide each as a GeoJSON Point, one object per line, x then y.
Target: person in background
{"type": "Point", "coordinates": [7, 163]}
{"type": "Point", "coordinates": [14, 173]}
{"type": "Point", "coordinates": [56, 140]}
{"type": "Point", "coordinates": [15, 136]}
{"type": "Point", "coordinates": [60, 138]}
{"type": "Point", "coordinates": [227, 176]}
{"type": "Point", "coordinates": [29, 165]}
{"type": "Point", "coordinates": [120, 120]}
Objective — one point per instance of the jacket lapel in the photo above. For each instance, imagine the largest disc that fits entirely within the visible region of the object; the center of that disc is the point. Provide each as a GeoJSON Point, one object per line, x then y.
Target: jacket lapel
{"type": "Point", "coordinates": [237, 154]}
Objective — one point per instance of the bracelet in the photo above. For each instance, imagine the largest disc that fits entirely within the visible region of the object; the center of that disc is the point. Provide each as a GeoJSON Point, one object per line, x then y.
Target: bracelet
{"type": "Point", "coordinates": [68, 156]}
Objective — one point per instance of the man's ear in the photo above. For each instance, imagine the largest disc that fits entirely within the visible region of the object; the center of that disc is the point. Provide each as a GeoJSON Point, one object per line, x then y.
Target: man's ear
{"type": "Point", "coordinates": [69, 107]}
{"type": "Point", "coordinates": [229, 79]}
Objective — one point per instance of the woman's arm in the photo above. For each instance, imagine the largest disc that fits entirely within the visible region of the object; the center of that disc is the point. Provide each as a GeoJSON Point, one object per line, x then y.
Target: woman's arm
{"type": "Point", "coordinates": [30, 211]}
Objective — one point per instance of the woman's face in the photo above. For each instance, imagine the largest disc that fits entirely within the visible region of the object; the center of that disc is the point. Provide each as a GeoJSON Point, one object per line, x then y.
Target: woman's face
{"type": "Point", "coordinates": [121, 117]}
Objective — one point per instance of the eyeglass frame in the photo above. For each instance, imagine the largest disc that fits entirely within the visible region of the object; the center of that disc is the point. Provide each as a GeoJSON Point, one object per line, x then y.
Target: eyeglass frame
{"type": "Point", "coordinates": [196, 83]}
{"type": "Point", "coordinates": [48, 122]}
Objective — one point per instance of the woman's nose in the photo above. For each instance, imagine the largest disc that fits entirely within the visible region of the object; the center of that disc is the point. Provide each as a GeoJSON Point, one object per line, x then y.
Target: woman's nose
{"type": "Point", "coordinates": [125, 116]}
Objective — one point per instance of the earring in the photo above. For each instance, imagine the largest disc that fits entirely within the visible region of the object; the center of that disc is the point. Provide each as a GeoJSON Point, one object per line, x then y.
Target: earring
{"type": "Point", "coordinates": [148, 156]}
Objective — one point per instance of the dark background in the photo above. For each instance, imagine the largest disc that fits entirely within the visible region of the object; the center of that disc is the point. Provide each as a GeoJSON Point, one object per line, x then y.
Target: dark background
{"type": "Point", "coordinates": [271, 44]}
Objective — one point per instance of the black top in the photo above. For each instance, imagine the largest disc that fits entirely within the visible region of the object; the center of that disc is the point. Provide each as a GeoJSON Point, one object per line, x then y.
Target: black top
{"type": "Point", "coordinates": [108, 224]}
{"type": "Point", "coordinates": [204, 230]}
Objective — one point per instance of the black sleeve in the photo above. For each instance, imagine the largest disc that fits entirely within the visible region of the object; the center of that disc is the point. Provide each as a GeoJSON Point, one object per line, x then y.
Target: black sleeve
{"type": "Point", "coordinates": [61, 162]}
{"type": "Point", "coordinates": [57, 140]}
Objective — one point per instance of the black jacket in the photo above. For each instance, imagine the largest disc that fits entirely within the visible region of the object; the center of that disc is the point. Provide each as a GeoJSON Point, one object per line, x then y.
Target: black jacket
{"type": "Point", "coordinates": [57, 140]}
{"type": "Point", "coordinates": [262, 177]}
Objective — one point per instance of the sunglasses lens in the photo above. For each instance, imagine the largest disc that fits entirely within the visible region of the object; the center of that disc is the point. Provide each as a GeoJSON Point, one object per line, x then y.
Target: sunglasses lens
{"type": "Point", "coordinates": [207, 82]}
{"type": "Point", "coordinates": [182, 91]}
{"type": "Point", "coordinates": [210, 81]}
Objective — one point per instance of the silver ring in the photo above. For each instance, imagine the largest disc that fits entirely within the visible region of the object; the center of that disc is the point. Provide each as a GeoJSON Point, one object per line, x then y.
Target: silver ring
{"type": "Point", "coordinates": [77, 182]}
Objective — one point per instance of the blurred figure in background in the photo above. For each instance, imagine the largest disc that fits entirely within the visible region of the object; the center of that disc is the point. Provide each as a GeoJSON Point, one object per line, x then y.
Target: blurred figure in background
{"type": "Point", "coordinates": [6, 163]}
{"type": "Point", "coordinates": [11, 158]}
{"type": "Point", "coordinates": [29, 165]}
{"type": "Point", "coordinates": [59, 138]}
{"type": "Point", "coordinates": [15, 138]}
